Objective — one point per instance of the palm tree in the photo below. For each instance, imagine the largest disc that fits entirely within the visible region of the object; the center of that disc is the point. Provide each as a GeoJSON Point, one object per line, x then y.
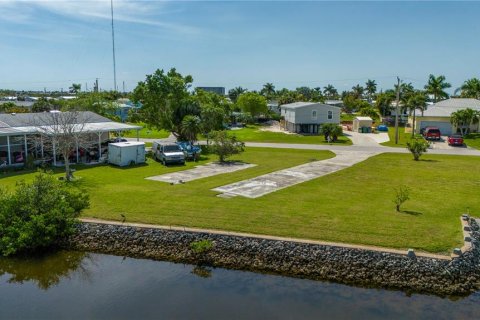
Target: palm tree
{"type": "Point", "coordinates": [436, 86]}
{"type": "Point", "coordinates": [268, 90]}
{"type": "Point", "coordinates": [463, 119]}
{"type": "Point", "coordinates": [330, 92]}
{"type": "Point", "coordinates": [371, 88]}
{"type": "Point", "coordinates": [234, 93]}
{"type": "Point", "coordinates": [358, 91]}
{"type": "Point", "coordinates": [418, 100]}
{"type": "Point", "coordinates": [471, 88]}
{"type": "Point", "coordinates": [190, 127]}
{"type": "Point", "coordinates": [75, 88]}
{"type": "Point", "coordinates": [384, 102]}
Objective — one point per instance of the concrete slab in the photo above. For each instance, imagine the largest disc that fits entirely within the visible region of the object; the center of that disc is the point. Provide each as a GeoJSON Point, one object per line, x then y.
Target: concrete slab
{"type": "Point", "coordinates": [367, 139]}
{"type": "Point", "coordinates": [271, 182]}
{"type": "Point", "coordinates": [199, 172]}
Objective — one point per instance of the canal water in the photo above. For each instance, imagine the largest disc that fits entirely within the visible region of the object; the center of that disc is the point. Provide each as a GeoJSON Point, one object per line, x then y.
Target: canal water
{"type": "Point", "coordinates": [76, 285]}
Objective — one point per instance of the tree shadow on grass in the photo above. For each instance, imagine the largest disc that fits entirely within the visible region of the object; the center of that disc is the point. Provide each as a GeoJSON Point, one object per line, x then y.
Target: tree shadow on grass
{"type": "Point", "coordinates": [412, 213]}
{"type": "Point", "coordinates": [429, 160]}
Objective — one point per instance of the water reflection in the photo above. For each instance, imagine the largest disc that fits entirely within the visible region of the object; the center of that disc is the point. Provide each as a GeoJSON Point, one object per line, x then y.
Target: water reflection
{"type": "Point", "coordinates": [75, 285]}
{"type": "Point", "coordinates": [45, 270]}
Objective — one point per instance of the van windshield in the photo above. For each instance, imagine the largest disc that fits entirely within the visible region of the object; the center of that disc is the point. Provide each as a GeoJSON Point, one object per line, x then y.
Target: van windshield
{"type": "Point", "coordinates": [171, 148]}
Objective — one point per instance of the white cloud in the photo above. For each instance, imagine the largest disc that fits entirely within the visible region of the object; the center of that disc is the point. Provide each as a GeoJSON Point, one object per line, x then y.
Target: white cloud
{"type": "Point", "coordinates": [138, 12]}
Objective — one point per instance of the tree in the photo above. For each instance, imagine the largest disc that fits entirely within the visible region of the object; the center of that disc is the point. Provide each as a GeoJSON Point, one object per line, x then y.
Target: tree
{"type": "Point", "coordinates": [64, 132]}
{"type": "Point", "coordinates": [268, 91]}
{"type": "Point", "coordinates": [383, 103]}
{"type": "Point", "coordinates": [234, 93]}
{"type": "Point", "coordinates": [330, 92]}
{"type": "Point", "coordinates": [75, 88]}
{"type": "Point", "coordinates": [252, 103]}
{"type": "Point", "coordinates": [463, 119]}
{"type": "Point", "coordinates": [471, 88]}
{"type": "Point", "coordinates": [332, 131]}
{"type": "Point", "coordinates": [45, 105]}
{"type": "Point", "coordinates": [36, 215]}
{"type": "Point", "coordinates": [371, 88]}
{"type": "Point", "coordinates": [358, 91]}
{"type": "Point", "coordinates": [417, 147]}
{"type": "Point", "coordinates": [287, 96]}
{"type": "Point", "coordinates": [436, 86]}
{"type": "Point", "coordinates": [165, 100]}
{"type": "Point", "coordinates": [7, 107]}
{"type": "Point", "coordinates": [418, 100]}
{"type": "Point", "coordinates": [225, 145]}
{"type": "Point", "coordinates": [367, 110]}
{"type": "Point", "coordinates": [191, 127]}
{"type": "Point", "coordinates": [402, 194]}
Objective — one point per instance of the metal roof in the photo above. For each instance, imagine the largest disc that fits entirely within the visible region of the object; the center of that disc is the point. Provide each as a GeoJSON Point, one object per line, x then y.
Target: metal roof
{"type": "Point", "coordinates": [28, 123]}
{"type": "Point", "coordinates": [364, 118]}
{"type": "Point", "coordinates": [446, 107]}
{"type": "Point", "coordinates": [297, 105]}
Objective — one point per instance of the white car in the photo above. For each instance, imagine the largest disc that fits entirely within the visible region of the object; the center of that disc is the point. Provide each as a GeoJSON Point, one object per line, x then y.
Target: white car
{"type": "Point", "coordinates": [168, 153]}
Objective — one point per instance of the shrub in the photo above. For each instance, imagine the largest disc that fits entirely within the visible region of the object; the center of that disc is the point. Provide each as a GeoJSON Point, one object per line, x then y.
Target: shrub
{"type": "Point", "coordinates": [402, 194]}
{"type": "Point", "coordinates": [331, 130]}
{"type": "Point", "coordinates": [225, 145]}
{"type": "Point", "coordinates": [36, 215]}
{"type": "Point", "coordinates": [417, 146]}
{"type": "Point", "coordinates": [201, 246]}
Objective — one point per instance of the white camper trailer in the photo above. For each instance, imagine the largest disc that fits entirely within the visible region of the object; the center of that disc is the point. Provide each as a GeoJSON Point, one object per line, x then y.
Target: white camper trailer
{"type": "Point", "coordinates": [126, 153]}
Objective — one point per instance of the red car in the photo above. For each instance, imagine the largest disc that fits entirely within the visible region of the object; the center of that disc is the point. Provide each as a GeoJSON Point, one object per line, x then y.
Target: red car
{"type": "Point", "coordinates": [455, 140]}
{"type": "Point", "coordinates": [431, 133]}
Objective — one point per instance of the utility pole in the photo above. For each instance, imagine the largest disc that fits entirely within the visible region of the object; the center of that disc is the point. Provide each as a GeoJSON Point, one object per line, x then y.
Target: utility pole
{"type": "Point", "coordinates": [86, 87]}
{"type": "Point", "coordinates": [113, 50]}
{"type": "Point", "coordinates": [397, 111]}
{"type": "Point", "coordinates": [123, 86]}
{"type": "Point", "coordinates": [95, 85]}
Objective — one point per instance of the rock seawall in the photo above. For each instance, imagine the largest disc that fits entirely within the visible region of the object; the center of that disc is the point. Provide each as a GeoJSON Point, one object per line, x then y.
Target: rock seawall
{"type": "Point", "coordinates": [461, 275]}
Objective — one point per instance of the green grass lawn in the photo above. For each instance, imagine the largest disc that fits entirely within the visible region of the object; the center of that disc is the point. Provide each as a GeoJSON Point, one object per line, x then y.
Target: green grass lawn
{"type": "Point", "coordinates": [403, 138]}
{"type": "Point", "coordinates": [252, 133]}
{"type": "Point", "coordinates": [354, 205]}
{"type": "Point", "coordinates": [472, 140]}
{"type": "Point", "coordinates": [146, 133]}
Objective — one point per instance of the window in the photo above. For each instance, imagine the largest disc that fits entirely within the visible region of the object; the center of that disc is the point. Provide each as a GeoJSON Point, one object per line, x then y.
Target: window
{"type": "Point", "coordinates": [314, 115]}
{"type": "Point", "coordinates": [330, 115]}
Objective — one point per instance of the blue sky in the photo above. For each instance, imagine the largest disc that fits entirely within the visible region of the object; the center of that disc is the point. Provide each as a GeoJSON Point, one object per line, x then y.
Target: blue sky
{"type": "Point", "coordinates": [54, 43]}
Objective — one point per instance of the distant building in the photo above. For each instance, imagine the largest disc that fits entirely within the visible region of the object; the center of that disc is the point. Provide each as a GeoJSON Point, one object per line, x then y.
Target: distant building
{"type": "Point", "coordinates": [217, 90]}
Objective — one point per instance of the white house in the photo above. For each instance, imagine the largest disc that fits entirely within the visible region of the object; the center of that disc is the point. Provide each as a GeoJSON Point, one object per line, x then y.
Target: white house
{"type": "Point", "coordinates": [438, 115]}
{"type": "Point", "coordinates": [308, 117]}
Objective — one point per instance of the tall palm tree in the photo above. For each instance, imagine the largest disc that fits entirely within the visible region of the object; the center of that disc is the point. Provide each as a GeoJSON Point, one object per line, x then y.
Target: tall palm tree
{"type": "Point", "coordinates": [330, 92]}
{"type": "Point", "coordinates": [417, 100]}
{"type": "Point", "coordinates": [358, 91]}
{"type": "Point", "coordinates": [268, 90]}
{"type": "Point", "coordinates": [471, 88]}
{"type": "Point", "coordinates": [371, 88]}
{"type": "Point", "coordinates": [436, 86]}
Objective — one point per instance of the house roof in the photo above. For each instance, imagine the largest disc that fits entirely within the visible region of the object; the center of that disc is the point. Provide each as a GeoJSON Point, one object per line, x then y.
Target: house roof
{"type": "Point", "coordinates": [364, 118]}
{"type": "Point", "coordinates": [26, 123]}
{"type": "Point", "coordinates": [446, 107]}
{"type": "Point", "coordinates": [297, 105]}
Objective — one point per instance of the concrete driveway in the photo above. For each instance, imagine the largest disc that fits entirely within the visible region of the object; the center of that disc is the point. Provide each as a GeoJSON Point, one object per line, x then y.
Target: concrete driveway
{"type": "Point", "coordinates": [271, 182]}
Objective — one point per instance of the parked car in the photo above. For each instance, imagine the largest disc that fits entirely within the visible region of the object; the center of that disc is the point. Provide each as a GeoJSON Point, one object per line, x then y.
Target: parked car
{"type": "Point", "coordinates": [190, 151]}
{"type": "Point", "coordinates": [430, 133]}
{"type": "Point", "coordinates": [168, 153]}
{"type": "Point", "coordinates": [455, 140]}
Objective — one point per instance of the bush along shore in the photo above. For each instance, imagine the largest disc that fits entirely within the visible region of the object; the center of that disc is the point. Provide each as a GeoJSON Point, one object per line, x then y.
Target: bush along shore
{"type": "Point", "coordinates": [411, 273]}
